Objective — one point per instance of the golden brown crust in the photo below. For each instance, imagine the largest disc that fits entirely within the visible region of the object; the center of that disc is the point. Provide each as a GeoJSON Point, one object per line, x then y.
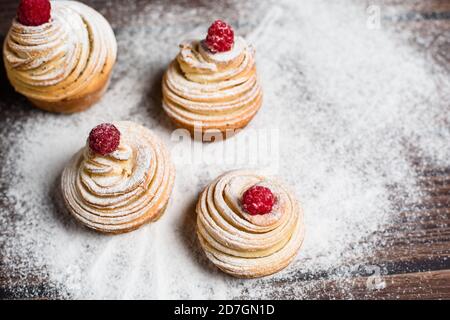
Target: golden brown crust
{"type": "Point", "coordinates": [210, 133]}
{"type": "Point", "coordinates": [148, 217]}
{"type": "Point", "coordinates": [79, 103]}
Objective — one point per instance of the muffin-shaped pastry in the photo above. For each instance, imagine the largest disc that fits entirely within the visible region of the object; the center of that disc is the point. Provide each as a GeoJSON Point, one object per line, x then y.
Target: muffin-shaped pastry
{"type": "Point", "coordinates": [248, 225]}
{"type": "Point", "coordinates": [59, 54]}
{"type": "Point", "coordinates": [120, 180]}
{"type": "Point", "coordinates": [212, 84]}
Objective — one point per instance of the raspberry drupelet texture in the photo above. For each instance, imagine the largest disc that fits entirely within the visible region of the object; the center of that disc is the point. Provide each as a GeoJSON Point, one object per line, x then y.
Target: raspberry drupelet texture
{"type": "Point", "coordinates": [258, 200]}
{"type": "Point", "coordinates": [34, 12]}
{"type": "Point", "coordinates": [104, 138]}
{"type": "Point", "coordinates": [220, 37]}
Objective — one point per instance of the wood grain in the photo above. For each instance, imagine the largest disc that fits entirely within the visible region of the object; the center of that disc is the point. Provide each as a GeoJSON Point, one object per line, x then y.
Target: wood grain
{"type": "Point", "coordinates": [414, 256]}
{"type": "Point", "coordinates": [418, 285]}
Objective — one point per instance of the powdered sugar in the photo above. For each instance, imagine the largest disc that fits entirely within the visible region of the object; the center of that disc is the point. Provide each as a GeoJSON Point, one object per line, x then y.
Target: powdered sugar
{"type": "Point", "coordinates": [349, 103]}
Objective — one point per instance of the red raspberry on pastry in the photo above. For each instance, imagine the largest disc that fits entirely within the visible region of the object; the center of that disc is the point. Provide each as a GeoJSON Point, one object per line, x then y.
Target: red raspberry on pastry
{"type": "Point", "coordinates": [258, 200]}
{"type": "Point", "coordinates": [220, 37]}
{"type": "Point", "coordinates": [104, 138]}
{"type": "Point", "coordinates": [34, 12]}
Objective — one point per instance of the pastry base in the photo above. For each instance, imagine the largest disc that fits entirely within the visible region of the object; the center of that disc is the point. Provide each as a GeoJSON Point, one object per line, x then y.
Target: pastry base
{"type": "Point", "coordinates": [209, 134]}
{"type": "Point", "coordinates": [150, 216]}
{"type": "Point", "coordinates": [79, 103]}
{"type": "Point", "coordinates": [147, 218]}
{"type": "Point", "coordinates": [259, 272]}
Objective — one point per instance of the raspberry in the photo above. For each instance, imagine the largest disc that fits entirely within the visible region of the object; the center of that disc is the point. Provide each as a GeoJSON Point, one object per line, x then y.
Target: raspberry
{"type": "Point", "coordinates": [104, 138]}
{"type": "Point", "coordinates": [258, 200]}
{"type": "Point", "coordinates": [33, 12]}
{"type": "Point", "coordinates": [220, 37]}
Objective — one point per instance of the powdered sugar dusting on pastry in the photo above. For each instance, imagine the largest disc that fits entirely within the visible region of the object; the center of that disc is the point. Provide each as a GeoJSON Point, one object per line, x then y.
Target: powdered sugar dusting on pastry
{"type": "Point", "coordinates": [236, 50]}
{"type": "Point", "coordinates": [238, 245]}
{"type": "Point", "coordinates": [58, 59]}
{"type": "Point", "coordinates": [222, 96]}
{"type": "Point", "coordinates": [349, 102]}
{"type": "Point", "coordinates": [130, 192]}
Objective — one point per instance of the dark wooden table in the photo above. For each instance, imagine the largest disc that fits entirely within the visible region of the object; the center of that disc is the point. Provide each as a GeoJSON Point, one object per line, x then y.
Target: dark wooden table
{"type": "Point", "coordinates": [417, 268]}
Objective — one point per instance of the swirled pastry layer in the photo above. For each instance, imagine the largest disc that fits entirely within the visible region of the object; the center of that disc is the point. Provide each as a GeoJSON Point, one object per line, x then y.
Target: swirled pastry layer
{"type": "Point", "coordinates": [212, 91]}
{"type": "Point", "coordinates": [122, 190]}
{"type": "Point", "coordinates": [241, 244]}
{"type": "Point", "coordinates": [63, 58]}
